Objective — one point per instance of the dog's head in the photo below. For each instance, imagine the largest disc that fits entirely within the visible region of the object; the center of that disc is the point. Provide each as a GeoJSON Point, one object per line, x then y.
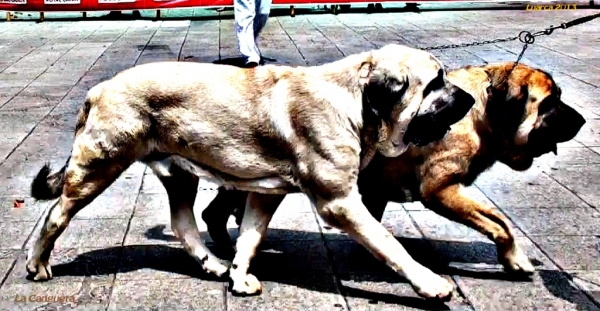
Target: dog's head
{"type": "Point", "coordinates": [526, 112]}
{"type": "Point", "coordinates": [407, 89]}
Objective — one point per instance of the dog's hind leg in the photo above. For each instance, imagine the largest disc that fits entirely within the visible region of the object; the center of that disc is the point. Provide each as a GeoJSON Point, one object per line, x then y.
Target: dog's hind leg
{"type": "Point", "coordinates": [216, 214]}
{"type": "Point", "coordinates": [452, 203]}
{"type": "Point", "coordinates": [85, 178]}
{"type": "Point", "coordinates": [257, 215]}
{"type": "Point", "coordinates": [182, 187]}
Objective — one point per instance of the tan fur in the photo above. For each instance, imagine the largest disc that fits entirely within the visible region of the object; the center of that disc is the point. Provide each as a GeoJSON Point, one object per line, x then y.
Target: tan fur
{"type": "Point", "coordinates": [270, 130]}
{"type": "Point", "coordinates": [499, 127]}
{"type": "Point", "coordinates": [438, 173]}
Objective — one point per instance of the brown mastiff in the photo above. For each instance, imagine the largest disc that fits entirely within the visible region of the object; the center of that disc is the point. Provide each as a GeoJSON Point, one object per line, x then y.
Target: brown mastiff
{"type": "Point", "coordinates": [268, 131]}
{"type": "Point", "coordinates": [513, 121]}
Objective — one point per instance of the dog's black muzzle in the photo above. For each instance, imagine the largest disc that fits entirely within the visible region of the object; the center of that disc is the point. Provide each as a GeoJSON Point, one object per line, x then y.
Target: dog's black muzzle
{"type": "Point", "coordinates": [561, 124]}
{"type": "Point", "coordinates": [432, 126]}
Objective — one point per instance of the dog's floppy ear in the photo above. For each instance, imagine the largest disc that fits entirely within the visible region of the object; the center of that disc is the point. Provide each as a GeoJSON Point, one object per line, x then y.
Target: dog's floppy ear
{"type": "Point", "coordinates": [507, 100]}
{"type": "Point", "coordinates": [558, 120]}
{"type": "Point", "coordinates": [382, 89]}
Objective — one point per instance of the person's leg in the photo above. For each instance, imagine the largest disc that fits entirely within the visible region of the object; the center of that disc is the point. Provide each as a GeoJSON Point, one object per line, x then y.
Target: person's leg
{"type": "Point", "coordinates": [263, 9]}
{"type": "Point", "coordinates": [245, 14]}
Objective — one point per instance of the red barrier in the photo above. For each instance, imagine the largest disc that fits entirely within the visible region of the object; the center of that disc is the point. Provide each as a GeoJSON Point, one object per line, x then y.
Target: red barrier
{"type": "Point", "coordinates": [116, 5]}
{"type": "Point", "coordinates": [72, 5]}
{"type": "Point", "coordinates": [45, 5]}
{"type": "Point", "coordinates": [123, 5]}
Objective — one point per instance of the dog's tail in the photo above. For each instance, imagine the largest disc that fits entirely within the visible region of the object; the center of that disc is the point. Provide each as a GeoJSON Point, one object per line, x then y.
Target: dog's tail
{"type": "Point", "coordinates": [46, 186]}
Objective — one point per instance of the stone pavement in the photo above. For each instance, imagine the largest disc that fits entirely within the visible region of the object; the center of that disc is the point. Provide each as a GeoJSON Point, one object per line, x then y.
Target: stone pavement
{"type": "Point", "coordinates": [118, 253]}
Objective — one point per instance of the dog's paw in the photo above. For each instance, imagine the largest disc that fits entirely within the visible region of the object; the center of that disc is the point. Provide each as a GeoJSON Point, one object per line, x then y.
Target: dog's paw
{"type": "Point", "coordinates": [246, 286]}
{"type": "Point", "coordinates": [215, 266]}
{"type": "Point", "coordinates": [516, 262]}
{"type": "Point", "coordinates": [432, 286]}
{"type": "Point", "coordinates": [38, 270]}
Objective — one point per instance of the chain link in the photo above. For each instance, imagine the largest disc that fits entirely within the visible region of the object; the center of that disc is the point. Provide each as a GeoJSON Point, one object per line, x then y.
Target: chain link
{"type": "Point", "coordinates": [464, 45]}
{"type": "Point", "coordinates": [524, 37]}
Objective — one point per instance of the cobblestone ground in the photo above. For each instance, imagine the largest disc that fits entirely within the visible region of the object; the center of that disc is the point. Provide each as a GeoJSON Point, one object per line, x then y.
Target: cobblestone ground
{"type": "Point", "coordinates": [117, 253]}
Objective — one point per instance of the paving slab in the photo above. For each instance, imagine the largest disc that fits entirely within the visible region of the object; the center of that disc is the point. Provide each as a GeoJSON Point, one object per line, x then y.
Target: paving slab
{"type": "Point", "coordinates": [304, 292]}
{"type": "Point", "coordinates": [575, 252]}
{"type": "Point", "coordinates": [74, 264]}
{"type": "Point", "coordinates": [551, 290]}
{"type": "Point", "coordinates": [120, 253]}
{"type": "Point", "coordinates": [167, 294]}
{"type": "Point", "coordinates": [365, 294]}
{"type": "Point", "coordinates": [587, 280]}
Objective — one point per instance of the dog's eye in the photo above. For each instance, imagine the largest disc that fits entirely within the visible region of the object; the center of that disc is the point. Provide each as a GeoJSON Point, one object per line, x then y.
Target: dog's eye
{"type": "Point", "coordinates": [546, 106]}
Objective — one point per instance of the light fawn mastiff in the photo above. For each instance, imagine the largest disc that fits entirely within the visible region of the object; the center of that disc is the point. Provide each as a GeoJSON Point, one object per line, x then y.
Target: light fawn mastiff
{"type": "Point", "coordinates": [269, 131]}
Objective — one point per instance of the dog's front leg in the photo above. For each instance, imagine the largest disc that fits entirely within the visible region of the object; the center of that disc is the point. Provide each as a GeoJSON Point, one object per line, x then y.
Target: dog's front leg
{"type": "Point", "coordinates": [349, 214]}
{"type": "Point", "coordinates": [257, 215]}
{"type": "Point", "coordinates": [451, 202]}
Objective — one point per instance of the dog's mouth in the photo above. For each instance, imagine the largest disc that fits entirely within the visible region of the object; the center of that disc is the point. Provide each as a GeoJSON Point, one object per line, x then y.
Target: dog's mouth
{"type": "Point", "coordinates": [538, 149]}
{"type": "Point", "coordinates": [550, 147]}
{"type": "Point", "coordinates": [541, 142]}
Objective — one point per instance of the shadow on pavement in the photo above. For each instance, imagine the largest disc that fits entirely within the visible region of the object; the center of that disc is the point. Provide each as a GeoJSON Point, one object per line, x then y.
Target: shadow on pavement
{"type": "Point", "coordinates": [302, 259]}
{"type": "Point", "coordinates": [241, 61]}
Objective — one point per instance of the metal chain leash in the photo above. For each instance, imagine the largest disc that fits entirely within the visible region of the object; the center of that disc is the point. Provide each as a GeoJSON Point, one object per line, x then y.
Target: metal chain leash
{"type": "Point", "coordinates": [524, 37]}
{"type": "Point", "coordinates": [464, 45]}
